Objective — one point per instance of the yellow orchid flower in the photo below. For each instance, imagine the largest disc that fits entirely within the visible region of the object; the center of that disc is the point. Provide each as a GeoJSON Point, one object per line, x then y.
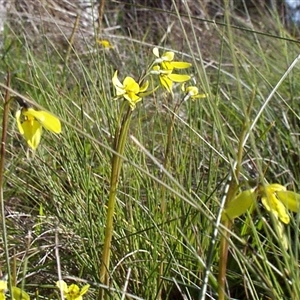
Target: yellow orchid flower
{"type": "Point", "coordinates": [277, 200]}
{"type": "Point", "coordinates": [105, 44]}
{"type": "Point", "coordinates": [129, 89]}
{"type": "Point", "coordinates": [274, 197]}
{"type": "Point", "coordinates": [30, 123]}
{"type": "Point", "coordinates": [192, 92]}
{"type": "Point", "coordinates": [72, 292]}
{"type": "Point", "coordinates": [3, 288]}
{"type": "Point", "coordinates": [164, 66]}
{"type": "Point", "coordinates": [166, 77]}
{"type": "Point", "coordinates": [166, 61]}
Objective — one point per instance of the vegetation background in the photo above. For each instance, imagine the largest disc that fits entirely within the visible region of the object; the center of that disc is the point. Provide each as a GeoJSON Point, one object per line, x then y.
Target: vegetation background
{"type": "Point", "coordinates": [55, 199]}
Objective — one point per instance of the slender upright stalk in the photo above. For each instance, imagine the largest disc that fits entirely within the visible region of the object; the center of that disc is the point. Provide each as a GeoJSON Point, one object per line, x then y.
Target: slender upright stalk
{"type": "Point", "coordinates": [2, 168]}
{"type": "Point", "coordinates": [225, 233]}
{"type": "Point", "coordinates": [119, 146]}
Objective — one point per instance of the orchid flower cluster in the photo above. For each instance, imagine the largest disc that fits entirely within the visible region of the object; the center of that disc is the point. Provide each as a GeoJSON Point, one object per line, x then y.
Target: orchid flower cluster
{"type": "Point", "coordinates": [31, 123]}
{"type": "Point", "coordinates": [164, 67]}
{"type": "Point", "coordinates": [274, 197]}
{"type": "Point", "coordinates": [71, 292]}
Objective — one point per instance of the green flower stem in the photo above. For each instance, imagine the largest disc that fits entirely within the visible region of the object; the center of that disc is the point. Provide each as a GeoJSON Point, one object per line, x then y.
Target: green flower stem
{"type": "Point", "coordinates": [119, 146]}
{"type": "Point", "coordinates": [2, 168]}
{"type": "Point", "coordinates": [233, 185]}
{"type": "Point", "coordinates": [225, 232]}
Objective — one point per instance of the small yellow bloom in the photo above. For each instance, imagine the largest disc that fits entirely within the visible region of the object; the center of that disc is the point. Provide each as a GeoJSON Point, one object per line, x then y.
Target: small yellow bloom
{"type": "Point", "coordinates": [129, 89]}
{"type": "Point", "coordinates": [166, 61]}
{"type": "Point", "coordinates": [272, 203]}
{"type": "Point", "coordinates": [274, 197]}
{"type": "Point", "coordinates": [72, 292]}
{"type": "Point", "coordinates": [192, 92]}
{"type": "Point", "coordinates": [166, 77]}
{"type": "Point", "coordinates": [30, 123]}
{"type": "Point", "coordinates": [105, 44]}
{"type": "Point", "coordinates": [164, 66]}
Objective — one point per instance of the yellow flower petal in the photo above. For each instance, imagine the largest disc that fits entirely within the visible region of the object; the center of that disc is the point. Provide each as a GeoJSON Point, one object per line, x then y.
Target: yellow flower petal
{"type": "Point", "coordinates": [192, 90]}
{"type": "Point", "coordinates": [105, 43]}
{"type": "Point", "coordinates": [32, 131]}
{"type": "Point", "coordinates": [18, 118]}
{"type": "Point", "coordinates": [281, 234]}
{"type": "Point", "coordinates": [179, 77]}
{"type": "Point", "coordinates": [272, 204]}
{"type": "Point", "coordinates": [19, 294]}
{"type": "Point", "coordinates": [180, 65]}
{"type": "Point", "coordinates": [130, 89]}
{"type": "Point", "coordinates": [144, 87]}
{"type": "Point", "coordinates": [84, 289]}
{"type": "Point", "coordinates": [74, 291]}
{"type": "Point", "coordinates": [167, 66]}
{"type": "Point", "coordinates": [130, 85]}
{"type": "Point", "coordinates": [61, 284]}
{"type": "Point", "coordinates": [275, 187]}
{"type": "Point", "coordinates": [3, 285]}
{"type": "Point", "coordinates": [168, 56]}
{"type": "Point", "coordinates": [117, 84]}
{"type": "Point", "coordinates": [239, 205]}
{"type": "Point", "coordinates": [155, 51]}
{"type": "Point", "coordinates": [47, 120]}
{"type": "Point", "coordinates": [290, 199]}
{"type": "Point", "coordinates": [166, 82]}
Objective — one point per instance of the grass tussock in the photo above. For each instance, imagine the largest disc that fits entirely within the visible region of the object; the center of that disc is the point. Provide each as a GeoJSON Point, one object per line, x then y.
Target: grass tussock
{"type": "Point", "coordinates": [177, 165]}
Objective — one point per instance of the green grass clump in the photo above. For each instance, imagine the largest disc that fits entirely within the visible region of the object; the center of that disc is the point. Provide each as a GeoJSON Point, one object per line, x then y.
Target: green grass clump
{"type": "Point", "coordinates": [181, 162]}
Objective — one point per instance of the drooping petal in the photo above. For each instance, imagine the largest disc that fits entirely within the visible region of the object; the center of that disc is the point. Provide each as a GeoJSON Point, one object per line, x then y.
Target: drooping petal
{"type": "Point", "coordinates": [19, 294]}
{"type": "Point", "coordinates": [147, 93]}
{"type": "Point", "coordinates": [192, 90]}
{"type": "Point", "coordinates": [84, 289]}
{"type": "Point", "coordinates": [272, 204]}
{"type": "Point", "coordinates": [275, 187]}
{"type": "Point", "coordinates": [166, 82]}
{"type": "Point", "coordinates": [3, 285]}
{"type": "Point", "coordinates": [166, 65]}
{"type": "Point", "coordinates": [239, 205]}
{"type": "Point", "coordinates": [180, 64]}
{"type": "Point", "coordinates": [18, 118]}
{"type": "Point", "coordinates": [118, 85]}
{"type": "Point", "coordinates": [47, 120]}
{"type": "Point", "coordinates": [290, 199]}
{"type": "Point", "coordinates": [132, 99]}
{"type": "Point", "coordinates": [281, 234]}
{"type": "Point", "coordinates": [155, 51]}
{"type": "Point", "coordinates": [61, 284]}
{"type": "Point", "coordinates": [32, 131]}
{"type": "Point", "coordinates": [144, 87]}
{"type": "Point", "coordinates": [179, 77]}
{"type": "Point", "coordinates": [168, 56]}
